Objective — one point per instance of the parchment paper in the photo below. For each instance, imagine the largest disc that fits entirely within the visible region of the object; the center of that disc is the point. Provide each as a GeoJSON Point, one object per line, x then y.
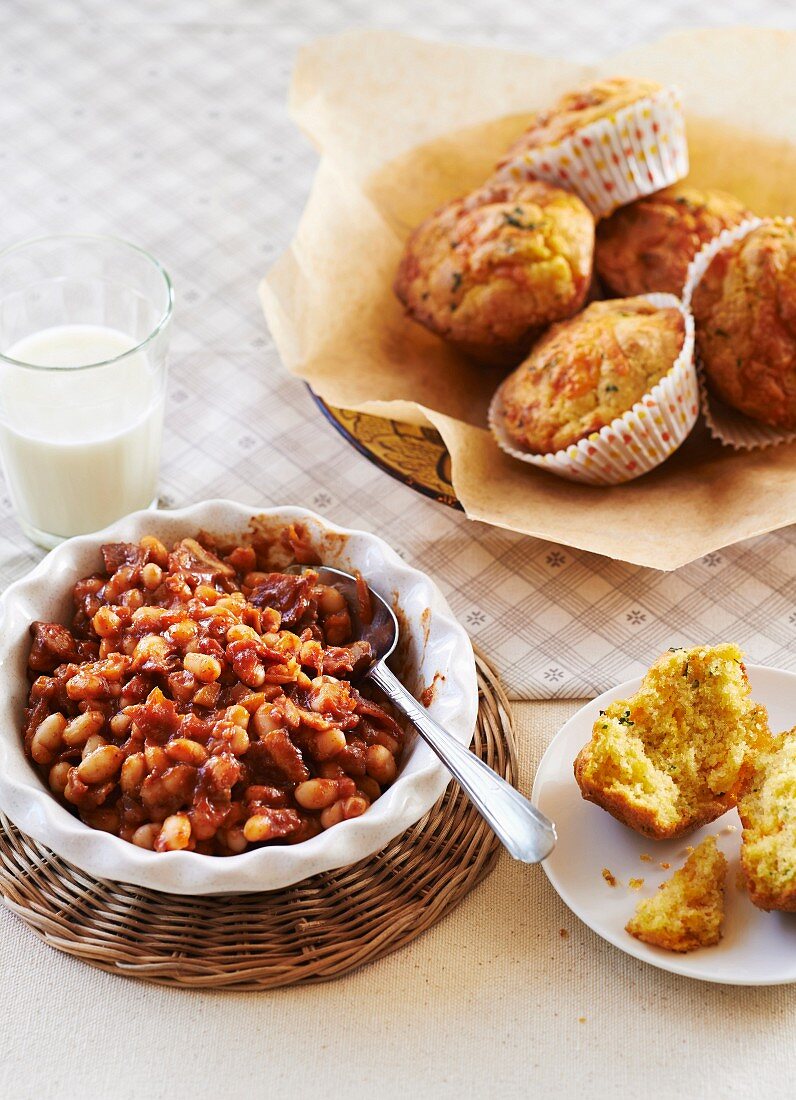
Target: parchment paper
{"type": "Point", "coordinates": [403, 125]}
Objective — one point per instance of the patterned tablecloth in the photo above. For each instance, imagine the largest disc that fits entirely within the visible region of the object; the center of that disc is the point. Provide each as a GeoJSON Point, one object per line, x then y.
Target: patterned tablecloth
{"type": "Point", "coordinates": [167, 124]}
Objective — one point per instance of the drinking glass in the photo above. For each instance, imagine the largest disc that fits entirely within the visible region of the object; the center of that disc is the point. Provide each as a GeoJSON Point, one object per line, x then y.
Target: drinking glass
{"type": "Point", "coordinates": [84, 329]}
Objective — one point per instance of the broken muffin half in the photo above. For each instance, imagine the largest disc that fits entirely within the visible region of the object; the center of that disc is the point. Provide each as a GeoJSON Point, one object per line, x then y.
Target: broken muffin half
{"type": "Point", "coordinates": [688, 910]}
{"type": "Point", "coordinates": [680, 752]}
{"type": "Point", "coordinates": [768, 815]}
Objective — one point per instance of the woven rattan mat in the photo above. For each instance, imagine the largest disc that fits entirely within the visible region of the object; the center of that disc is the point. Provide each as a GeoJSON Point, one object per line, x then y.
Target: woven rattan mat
{"type": "Point", "coordinates": [319, 929]}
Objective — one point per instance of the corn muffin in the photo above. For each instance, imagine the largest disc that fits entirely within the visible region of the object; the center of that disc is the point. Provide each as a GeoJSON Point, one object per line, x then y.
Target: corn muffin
{"type": "Point", "coordinates": [587, 371]}
{"type": "Point", "coordinates": [768, 815]}
{"type": "Point", "coordinates": [688, 910]}
{"type": "Point", "coordinates": [648, 245]}
{"type": "Point", "coordinates": [577, 109]}
{"type": "Point", "coordinates": [489, 271]}
{"type": "Point", "coordinates": [745, 318]}
{"type": "Point", "coordinates": [681, 751]}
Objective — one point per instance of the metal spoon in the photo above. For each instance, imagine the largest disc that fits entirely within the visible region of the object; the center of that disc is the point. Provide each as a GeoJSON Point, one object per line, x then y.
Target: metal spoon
{"type": "Point", "coordinates": [527, 834]}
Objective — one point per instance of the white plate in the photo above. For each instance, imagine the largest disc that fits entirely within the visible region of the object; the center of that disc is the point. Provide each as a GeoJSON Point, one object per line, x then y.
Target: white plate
{"type": "Point", "coordinates": [435, 644]}
{"type": "Point", "coordinates": [758, 948]}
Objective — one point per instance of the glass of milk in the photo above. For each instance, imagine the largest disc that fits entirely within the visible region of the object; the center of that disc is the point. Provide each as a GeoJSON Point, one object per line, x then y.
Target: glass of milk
{"type": "Point", "coordinates": [84, 328]}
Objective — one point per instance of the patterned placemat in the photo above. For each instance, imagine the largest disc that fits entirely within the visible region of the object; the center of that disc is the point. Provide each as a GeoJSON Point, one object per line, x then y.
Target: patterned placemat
{"type": "Point", "coordinates": [319, 929]}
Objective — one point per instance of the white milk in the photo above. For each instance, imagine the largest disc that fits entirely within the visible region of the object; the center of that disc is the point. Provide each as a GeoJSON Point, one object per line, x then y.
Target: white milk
{"type": "Point", "coordinates": [80, 447]}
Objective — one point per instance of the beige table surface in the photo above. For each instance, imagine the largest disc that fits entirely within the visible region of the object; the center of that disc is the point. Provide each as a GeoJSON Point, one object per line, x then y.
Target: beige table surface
{"type": "Point", "coordinates": [493, 1002]}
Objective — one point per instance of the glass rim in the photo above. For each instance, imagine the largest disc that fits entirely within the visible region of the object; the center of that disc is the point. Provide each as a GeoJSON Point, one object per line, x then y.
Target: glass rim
{"type": "Point", "coordinates": [106, 239]}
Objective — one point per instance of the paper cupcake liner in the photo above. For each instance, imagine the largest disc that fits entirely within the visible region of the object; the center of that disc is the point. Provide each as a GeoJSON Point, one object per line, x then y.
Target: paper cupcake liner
{"type": "Point", "coordinates": [727, 425]}
{"type": "Point", "coordinates": [615, 160]}
{"type": "Point", "coordinates": [638, 440]}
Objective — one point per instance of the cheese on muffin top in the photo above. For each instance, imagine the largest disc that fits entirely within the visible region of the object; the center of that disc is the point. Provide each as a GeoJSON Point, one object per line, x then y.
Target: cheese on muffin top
{"type": "Point", "coordinates": [587, 371]}
{"type": "Point", "coordinates": [745, 323]}
{"type": "Point", "coordinates": [580, 108]}
{"type": "Point", "coordinates": [648, 245]}
{"type": "Point", "coordinates": [490, 270]}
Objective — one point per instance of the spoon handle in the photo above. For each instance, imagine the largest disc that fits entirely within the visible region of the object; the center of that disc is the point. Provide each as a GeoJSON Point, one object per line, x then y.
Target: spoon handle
{"type": "Point", "coordinates": [525, 832]}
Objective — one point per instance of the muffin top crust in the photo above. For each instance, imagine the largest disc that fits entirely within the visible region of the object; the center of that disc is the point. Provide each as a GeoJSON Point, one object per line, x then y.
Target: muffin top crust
{"type": "Point", "coordinates": [745, 321]}
{"type": "Point", "coordinates": [489, 270]}
{"type": "Point", "coordinates": [648, 245]}
{"type": "Point", "coordinates": [587, 371]}
{"type": "Point", "coordinates": [580, 108]}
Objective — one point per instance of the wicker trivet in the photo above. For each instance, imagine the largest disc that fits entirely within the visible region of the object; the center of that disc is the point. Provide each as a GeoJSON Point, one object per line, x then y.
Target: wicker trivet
{"type": "Point", "coordinates": [319, 929]}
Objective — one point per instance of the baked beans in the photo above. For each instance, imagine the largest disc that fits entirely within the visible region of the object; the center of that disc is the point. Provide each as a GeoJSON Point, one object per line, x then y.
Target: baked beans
{"type": "Point", "coordinates": [201, 701]}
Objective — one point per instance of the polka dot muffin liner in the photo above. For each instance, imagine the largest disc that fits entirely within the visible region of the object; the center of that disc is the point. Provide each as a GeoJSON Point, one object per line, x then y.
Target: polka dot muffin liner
{"type": "Point", "coordinates": [639, 149]}
{"type": "Point", "coordinates": [726, 424]}
{"type": "Point", "coordinates": [636, 442]}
